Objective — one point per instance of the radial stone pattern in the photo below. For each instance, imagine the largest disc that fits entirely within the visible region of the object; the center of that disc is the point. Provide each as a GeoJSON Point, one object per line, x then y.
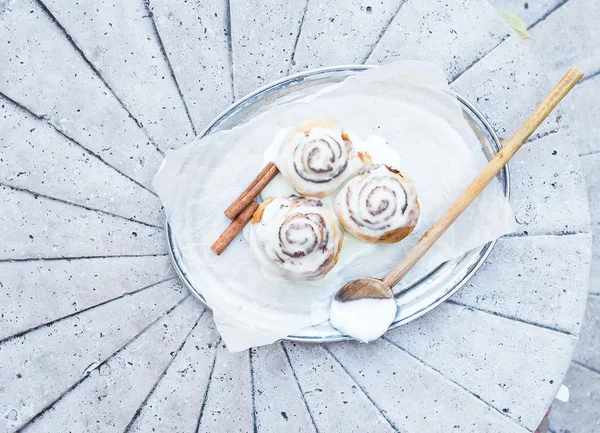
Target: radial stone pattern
{"type": "Point", "coordinates": [97, 334]}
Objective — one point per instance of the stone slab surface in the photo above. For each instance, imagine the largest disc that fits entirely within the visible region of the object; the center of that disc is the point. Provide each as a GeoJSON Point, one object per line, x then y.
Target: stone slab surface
{"type": "Point", "coordinates": [580, 414]}
{"type": "Point", "coordinates": [454, 35]}
{"type": "Point", "coordinates": [119, 39]}
{"type": "Point", "coordinates": [568, 38]}
{"type": "Point", "coordinates": [591, 170]}
{"type": "Point", "coordinates": [485, 354]}
{"type": "Point", "coordinates": [175, 404]}
{"type": "Point", "coordinates": [506, 85]}
{"type": "Point", "coordinates": [195, 36]}
{"type": "Point", "coordinates": [522, 279]}
{"type": "Point", "coordinates": [589, 340]}
{"type": "Point", "coordinates": [329, 26]}
{"type": "Point", "coordinates": [35, 157]}
{"type": "Point", "coordinates": [69, 287]}
{"type": "Point", "coordinates": [582, 110]}
{"type": "Point", "coordinates": [548, 193]}
{"type": "Point", "coordinates": [41, 70]}
{"type": "Point", "coordinates": [263, 38]}
{"type": "Point", "coordinates": [34, 227]}
{"type": "Point", "coordinates": [424, 400]}
{"type": "Point", "coordinates": [278, 401]}
{"type": "Point", "coordinates": [529, 11]}
{"type": "Point", "coordinates": [117, 348]}
{"type": "Point", "coordinates": [332, 396]}
{"type": "Point", "coordinates": [228, 405]}
{"type": "Point", "coordinates": [107, 398]}
{"type": "Point", "coordinates": [41, 365]}
{"type": "Point", "coordinates": [595, 271]}
{"type": "Point", "coordinates": [169, 408]}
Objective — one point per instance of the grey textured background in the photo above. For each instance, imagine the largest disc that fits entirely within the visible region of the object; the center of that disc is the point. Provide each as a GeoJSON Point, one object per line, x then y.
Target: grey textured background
{"type": "Point", "coordinates": [96, 334]}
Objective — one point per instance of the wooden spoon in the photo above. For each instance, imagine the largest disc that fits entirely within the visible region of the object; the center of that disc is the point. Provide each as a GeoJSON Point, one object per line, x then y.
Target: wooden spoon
{"type": "Point", "coordinates": [382, 289]}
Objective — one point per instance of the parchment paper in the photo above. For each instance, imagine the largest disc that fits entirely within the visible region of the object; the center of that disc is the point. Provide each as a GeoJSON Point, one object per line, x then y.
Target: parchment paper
{"type": "Point", "coordinates": [409, 104]}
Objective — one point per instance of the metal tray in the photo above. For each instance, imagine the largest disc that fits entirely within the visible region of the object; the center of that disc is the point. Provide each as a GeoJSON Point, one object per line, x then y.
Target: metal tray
{"type": "Point", "coordinates": [422, 295]}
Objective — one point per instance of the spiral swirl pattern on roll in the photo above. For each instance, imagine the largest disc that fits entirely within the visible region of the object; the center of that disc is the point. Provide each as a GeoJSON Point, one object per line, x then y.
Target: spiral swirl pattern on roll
{"type": "Point", "coordinates": [295, 238]}
{"type": "Point", "coordinates": [378, 206]}
{"type": "Point", "coordinates": [317, 157]}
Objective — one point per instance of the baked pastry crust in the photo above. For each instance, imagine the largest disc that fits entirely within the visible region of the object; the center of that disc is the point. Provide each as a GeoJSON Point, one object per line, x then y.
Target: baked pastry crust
{"type": "Point", "coordinates": [378, 206]}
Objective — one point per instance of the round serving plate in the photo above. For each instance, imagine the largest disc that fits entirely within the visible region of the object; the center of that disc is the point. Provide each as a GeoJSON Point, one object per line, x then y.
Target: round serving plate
{"type": "Point", "coordinates": [421, 296]}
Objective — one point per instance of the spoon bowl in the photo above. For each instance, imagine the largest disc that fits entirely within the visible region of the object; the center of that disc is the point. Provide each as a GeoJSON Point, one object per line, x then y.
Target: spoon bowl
{"type": "Point", "coordinates": [360, 288]}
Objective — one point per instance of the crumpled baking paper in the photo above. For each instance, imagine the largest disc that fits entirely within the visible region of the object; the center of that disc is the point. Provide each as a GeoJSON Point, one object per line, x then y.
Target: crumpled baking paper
{"type": "Point", "coordinates": [408, 103]}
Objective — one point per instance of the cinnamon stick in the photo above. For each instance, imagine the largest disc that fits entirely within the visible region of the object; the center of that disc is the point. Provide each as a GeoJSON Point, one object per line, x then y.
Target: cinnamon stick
{"type": "Point", "coordinates": [265, 176]}
{"type": "Point", "coordinates": [234, 228]}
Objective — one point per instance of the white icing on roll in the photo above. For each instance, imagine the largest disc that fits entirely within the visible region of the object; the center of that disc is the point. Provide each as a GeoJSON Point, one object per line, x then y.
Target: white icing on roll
{"type": "Point", "coordinates": [378, 206]}
{"type": "Point", "coordinates": [317, 157]}
{"type": "Point", "coordinates": [295, 238]}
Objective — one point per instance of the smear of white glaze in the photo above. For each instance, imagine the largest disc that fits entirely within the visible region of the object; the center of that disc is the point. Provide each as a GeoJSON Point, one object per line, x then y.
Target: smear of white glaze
{"type": "Point", "coordinates": [352, 249]}
{"type": "Point", "coordinates": [273, 150]}
{"type": "Point", "coordinates": [378, 148]}
{"type": "Point", "coordinates": [363, 319]}
{"type": "Point", "coordinates": [278, 187]}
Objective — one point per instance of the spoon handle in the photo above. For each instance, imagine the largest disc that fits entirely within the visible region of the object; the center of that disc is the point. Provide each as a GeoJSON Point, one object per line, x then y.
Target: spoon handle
{"type": "Point", "coordinates": [484, 178]}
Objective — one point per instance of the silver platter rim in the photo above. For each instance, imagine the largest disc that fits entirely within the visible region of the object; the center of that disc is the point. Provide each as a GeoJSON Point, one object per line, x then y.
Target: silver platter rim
{"type": "Point", "coordinates": [464, 267]}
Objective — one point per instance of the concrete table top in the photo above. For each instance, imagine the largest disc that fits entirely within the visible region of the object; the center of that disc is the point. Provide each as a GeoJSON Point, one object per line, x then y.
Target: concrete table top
{"type": "Point", "coordinates": [97, 334]}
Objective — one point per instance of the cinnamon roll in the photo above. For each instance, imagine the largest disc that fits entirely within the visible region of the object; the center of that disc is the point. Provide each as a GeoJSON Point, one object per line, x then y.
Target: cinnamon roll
{"type": "Point", "coordinates": [378, 206]}
{"type": "Point", "coordinates": [295, 238]}
{"type": "Point", "coordinates": [317, 157]}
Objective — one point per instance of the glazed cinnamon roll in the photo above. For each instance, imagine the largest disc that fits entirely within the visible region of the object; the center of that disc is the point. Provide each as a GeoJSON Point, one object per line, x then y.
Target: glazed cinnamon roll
{"type": "Point", "coordinates": [295, 238]}
{"type": "Point", "coordinates": [378, 206]}
{"type": "Point", "coordinates": [317, 157]}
